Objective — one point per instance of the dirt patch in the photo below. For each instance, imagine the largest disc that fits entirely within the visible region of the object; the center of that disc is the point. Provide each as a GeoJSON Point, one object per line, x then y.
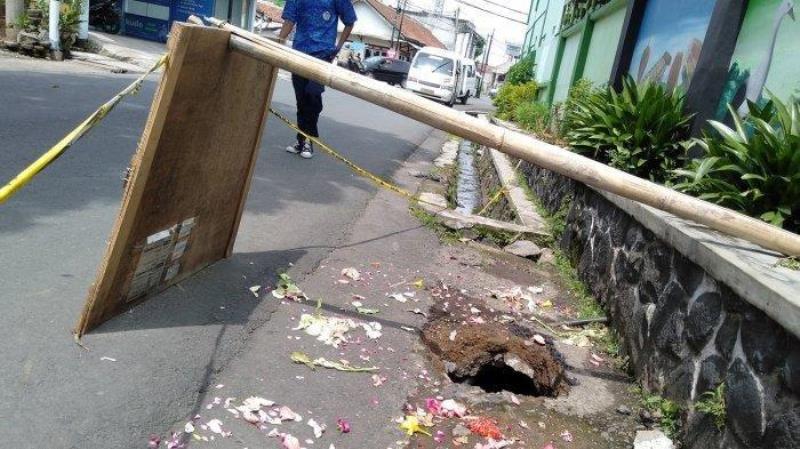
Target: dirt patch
{"type": "Point", "coordinates": [480, 347]}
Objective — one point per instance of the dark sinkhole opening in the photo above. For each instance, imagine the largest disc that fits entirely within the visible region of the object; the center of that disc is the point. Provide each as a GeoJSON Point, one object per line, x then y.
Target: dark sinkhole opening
{"type": "Point", "coordinates": [497, 377]}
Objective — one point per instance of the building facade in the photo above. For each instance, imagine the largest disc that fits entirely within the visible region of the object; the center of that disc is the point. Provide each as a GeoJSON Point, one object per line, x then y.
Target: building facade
{"type": "Point", "coordinates": [717, 52]}
{"type": "Point", "coordinates": [152, 19]}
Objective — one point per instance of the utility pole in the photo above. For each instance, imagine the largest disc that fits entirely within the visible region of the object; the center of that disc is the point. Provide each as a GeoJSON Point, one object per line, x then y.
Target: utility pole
{"type": "Point", "coordinates": [400, 29]}
{"type": "Point", "coordinates": [394, 24]}
{"type": "Point", "coordinates": [83, 26]}
{"type": "Point", "coordinates": [486, 52]}
{"type": "Point", "coordinates": [455, 31]}
{"type": "Point", "coordinates": [54, 32]}
{"type": "Point", "coordinates": [14, 9]}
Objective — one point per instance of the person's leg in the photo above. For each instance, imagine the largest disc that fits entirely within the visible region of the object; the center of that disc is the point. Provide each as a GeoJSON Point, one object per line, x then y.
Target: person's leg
{"type": "Point", "coordinates": [299, 83]}
{"type": "Point", "coordinates": [312, 110]}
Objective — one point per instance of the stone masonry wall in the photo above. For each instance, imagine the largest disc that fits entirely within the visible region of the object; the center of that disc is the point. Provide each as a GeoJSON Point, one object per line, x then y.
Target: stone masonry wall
{"type": "Point", "coordinates": [684, 332]}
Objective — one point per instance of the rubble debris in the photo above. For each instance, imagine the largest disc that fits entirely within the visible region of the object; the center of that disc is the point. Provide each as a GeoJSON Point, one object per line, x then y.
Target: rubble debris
{"type": "Point", "coordinates": [524, 248]}
{"type": "Point", "coordinates": [652, 439]}
{"type": "Point", "coordinates": [624, 410]}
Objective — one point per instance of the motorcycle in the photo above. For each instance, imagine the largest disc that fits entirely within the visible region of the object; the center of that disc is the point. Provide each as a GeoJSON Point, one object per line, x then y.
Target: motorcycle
{"type": "Point", "coordinates": [105, 15]}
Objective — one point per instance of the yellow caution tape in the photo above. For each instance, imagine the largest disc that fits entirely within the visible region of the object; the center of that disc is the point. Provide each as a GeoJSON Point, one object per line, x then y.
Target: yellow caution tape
{"type": "Point", "coordinates": [58, 149]}
{"type": "Point", "coordinates": [353, 166]}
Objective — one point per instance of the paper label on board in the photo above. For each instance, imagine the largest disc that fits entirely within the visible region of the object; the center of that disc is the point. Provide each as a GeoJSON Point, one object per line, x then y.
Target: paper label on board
{"type": "Point", "coordinates": [159, 260]}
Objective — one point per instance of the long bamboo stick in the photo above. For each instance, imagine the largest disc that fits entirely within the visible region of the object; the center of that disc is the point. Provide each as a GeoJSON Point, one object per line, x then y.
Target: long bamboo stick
{"type": "Point", "coordinates": [519, 145]}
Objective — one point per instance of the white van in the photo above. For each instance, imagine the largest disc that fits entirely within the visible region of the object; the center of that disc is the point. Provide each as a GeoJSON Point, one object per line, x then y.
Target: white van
{"type": "Point", "coordinates": [435, 74]}
{"type": "Point", "coordinates": [469, 80]}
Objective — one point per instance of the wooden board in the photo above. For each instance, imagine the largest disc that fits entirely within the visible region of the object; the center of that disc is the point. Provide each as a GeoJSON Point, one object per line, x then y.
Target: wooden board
{"type": "Point", "coordinates": [190, 174]}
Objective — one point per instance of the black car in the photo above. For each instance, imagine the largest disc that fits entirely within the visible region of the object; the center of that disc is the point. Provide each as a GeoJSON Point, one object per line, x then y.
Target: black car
{"type": "Point", "coordinates": [390, 70]}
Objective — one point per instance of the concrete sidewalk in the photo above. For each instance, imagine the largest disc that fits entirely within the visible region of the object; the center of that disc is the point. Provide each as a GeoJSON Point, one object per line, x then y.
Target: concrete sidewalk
{"type": "Point", "coordinates": [139, 52]}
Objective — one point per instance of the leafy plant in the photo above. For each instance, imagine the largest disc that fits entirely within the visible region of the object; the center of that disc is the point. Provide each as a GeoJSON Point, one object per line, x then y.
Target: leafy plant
{"type": "Point", "coordinates": [641, 130]}
{"type": "Point", "coordinates": [23, 21]}
{"type": "Point", "coordinates": [512, 95]}
{"type": "Point", "coordinates": [754, 167]}
{"type": "Point", "coordinates": [70, 17]}
{"type": "Point", "coordinates": [522, 71]}
{"type": "Point", "coordinates": [578, 94]}
{"type": "Point", "coordinates": [713, 403]}
{"type": "Point", "coordinates": [533, 116]}
{"type": "Point", "coordinates": [667, 413]}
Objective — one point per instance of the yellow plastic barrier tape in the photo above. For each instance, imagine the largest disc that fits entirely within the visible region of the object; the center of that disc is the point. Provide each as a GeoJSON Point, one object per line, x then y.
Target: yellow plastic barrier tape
{"type": "Point", "coordinates": [58, 149]}
{"type": "Point", "coordinates": [375, 179]}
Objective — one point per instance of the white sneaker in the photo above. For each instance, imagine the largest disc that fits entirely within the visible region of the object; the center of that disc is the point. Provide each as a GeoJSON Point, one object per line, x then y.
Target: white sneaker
{"type": "Point", "coordinates": [308, 151]}
{"type": "Point", "coordinates": [294, 149]}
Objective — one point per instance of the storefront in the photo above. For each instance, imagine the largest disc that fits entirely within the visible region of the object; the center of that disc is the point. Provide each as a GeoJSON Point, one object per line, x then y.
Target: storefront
{"type": "Point", "coordinates": [152, 19]}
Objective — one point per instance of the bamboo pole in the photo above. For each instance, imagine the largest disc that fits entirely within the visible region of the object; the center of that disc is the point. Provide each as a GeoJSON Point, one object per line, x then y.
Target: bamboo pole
{"type": "Point", "coordinates": [519, 145]}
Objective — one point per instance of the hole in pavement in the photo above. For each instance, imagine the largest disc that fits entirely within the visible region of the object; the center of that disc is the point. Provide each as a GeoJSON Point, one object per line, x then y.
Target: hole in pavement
{"type": "Point", "coordinates": [496, 376]}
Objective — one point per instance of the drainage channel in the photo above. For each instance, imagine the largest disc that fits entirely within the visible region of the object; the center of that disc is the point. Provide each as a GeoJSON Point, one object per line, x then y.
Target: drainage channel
{"type": "Point", "coordinates": [467, 184]}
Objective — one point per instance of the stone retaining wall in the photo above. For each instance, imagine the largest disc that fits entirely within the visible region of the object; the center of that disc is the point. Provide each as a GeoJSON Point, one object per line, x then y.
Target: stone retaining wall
{"type": "Point", "coordinates": [684, 331]}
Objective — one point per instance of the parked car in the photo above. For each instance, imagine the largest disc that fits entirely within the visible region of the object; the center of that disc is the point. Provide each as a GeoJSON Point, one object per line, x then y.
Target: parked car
{"type": "Point", "coordinates": [389, 70]}
{"type": "Point", "coordinates": [436, 74]}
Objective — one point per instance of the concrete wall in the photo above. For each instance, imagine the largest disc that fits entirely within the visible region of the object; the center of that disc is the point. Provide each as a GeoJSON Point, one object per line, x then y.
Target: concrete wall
{"type": "Point", "coordinates": [685, 329]}
{"type": "Point", "coordinates": [543, 25]}
{"type": "Point", "coordinates": [603, 46]}
{"type": "Point", "coordinates": [569, 57]}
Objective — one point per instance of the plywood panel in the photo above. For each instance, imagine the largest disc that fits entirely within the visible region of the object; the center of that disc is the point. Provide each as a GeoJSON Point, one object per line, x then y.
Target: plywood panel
{"type": "Point", "coordinates": [190, 175]}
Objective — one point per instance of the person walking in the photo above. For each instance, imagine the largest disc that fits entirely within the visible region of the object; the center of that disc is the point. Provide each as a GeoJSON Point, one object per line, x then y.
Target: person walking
{"type": "Point", "coordinates": [315, 23]}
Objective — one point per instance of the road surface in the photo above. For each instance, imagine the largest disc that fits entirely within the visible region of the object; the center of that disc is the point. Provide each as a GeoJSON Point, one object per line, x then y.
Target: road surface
{"type": "Point", "coordinates": [147, 368]}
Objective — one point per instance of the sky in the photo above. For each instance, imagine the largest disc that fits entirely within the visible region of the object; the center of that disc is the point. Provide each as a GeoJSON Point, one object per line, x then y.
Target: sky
{"type": "Point", "coordinates": [505, 30]}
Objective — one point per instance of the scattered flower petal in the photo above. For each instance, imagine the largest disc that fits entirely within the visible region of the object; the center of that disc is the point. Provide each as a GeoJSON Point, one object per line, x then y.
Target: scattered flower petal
{"type": "Point", "coordinates": [411, 425]}
{"type": "Point", "coordinates": [343, 425]}
{"type": "Point", "coordinates": [351, 273]}
{"type": "Point", "coordinates": [318, 429]}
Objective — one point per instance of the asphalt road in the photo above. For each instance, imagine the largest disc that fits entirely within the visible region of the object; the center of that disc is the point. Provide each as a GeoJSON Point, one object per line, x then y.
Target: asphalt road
{"type": "Point", "coordinates": [53, 233]}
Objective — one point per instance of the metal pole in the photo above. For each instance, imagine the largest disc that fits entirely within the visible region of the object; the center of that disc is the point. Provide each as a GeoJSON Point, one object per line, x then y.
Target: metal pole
{"type": "Point", "coordinates": [83, 26]}
{"type": "Point", "coordinates": [400, 29]}
{"type": "Point", "coordinates": [394, 22]}
{"type": "Point", "coordinates": [486, 52]}
{"type": "Point", "coordinates": [455, 31]}
{"type": "Point", "coordinates": [53, 29]}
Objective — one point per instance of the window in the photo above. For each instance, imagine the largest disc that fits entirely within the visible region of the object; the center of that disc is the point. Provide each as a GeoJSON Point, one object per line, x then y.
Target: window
{"type": "Point", "coordinates": [436, 64]}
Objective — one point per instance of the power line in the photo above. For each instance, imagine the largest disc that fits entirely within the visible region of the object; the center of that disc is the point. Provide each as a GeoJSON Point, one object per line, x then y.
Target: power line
{"type": "Point", "coordinates": [506, 7]}
{"type": "Point", "coordinates": [490, 12]}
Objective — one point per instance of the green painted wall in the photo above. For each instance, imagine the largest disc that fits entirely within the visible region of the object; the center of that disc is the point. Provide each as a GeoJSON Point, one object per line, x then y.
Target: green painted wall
{"type": "Point", "coordinates": [567, 66]}
{"type": "Point", "coordinates": [603, 47]}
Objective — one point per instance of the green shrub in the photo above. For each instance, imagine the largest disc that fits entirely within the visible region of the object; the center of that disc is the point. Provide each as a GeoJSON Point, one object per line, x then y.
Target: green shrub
{"type": "Point", "coordinates": [532, 116]}
{"type": "Point", "coordinates": [578, 94]}
{"type": "Point", "coordinates": [521, 72]}
{"type": "Point", "coordinates": [640, 130]}
{"type": "Point", "coordinates": [512, 95]}
{"type": "Point", "coordinates": [753, 168]}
